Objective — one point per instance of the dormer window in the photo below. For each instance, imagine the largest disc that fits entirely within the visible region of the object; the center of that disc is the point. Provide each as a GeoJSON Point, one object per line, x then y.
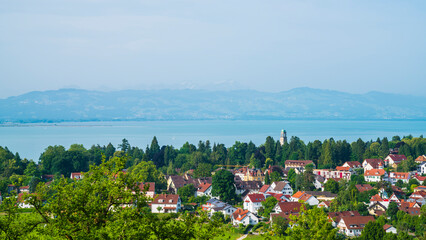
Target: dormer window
{"type": "Point", "coordinates": [160, 200]}
{"type": "Point", "coordinates": [171, 200]}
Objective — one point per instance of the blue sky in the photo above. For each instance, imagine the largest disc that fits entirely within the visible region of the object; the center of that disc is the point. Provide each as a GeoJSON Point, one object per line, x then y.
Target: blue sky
{"type": "Point", "coordinates": [351, 46]}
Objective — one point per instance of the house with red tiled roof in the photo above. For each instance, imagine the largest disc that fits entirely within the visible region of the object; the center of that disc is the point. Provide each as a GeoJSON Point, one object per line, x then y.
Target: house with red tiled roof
{"type": "Point", "coordinates": [410, 207]}
{"type": "Point", "coordinates": [166, 203]}
{"type": "Point", "coordinates": [353, 225]}
{"type": "Point", "coordinates": [244, 217]}
{"type": "Point", "coordinates": [298, 163]}
{"type": "Point", "coordinates": [280, 197]}
{"type": "Point", "coordinates": [204, 189]}
{"type": "Point", "coordinates": [76, 175]}
{"type": "Point", "coordinates": [343, 173]}
{"type": "Point", "coordinates": [389, 228]}
{"type": "Point", "coordinates": [335, 217]}
{"type": "Point", "coordinates": [214, 205]}
{"type": "Point", "coordinates": [375, 175]}
{"type": "Point", "coordinates": [421, 159]}
{"type": "Point", "coordinates": [421, 179]}
{"type": "Point", "coordinates": [395, 176]}
{"type": "Point", "coordinates": [373, 163]}
{"type": "Point", "coordinates": [393, 160]}
{"type": "Point", "coordinates": [419, 196]}
{"type": "Point", "coordinates": [378, 208]}
{"type": "Point", "coordinates": [265, 188]}
{"type": "Point", "coordinates": [352, 164]}
{"type": "Point", "coordinates": [363, 187]}
{"type": "Point", "coordinates": [288, 208]}
{"type": "Point", "coordinates": [253, 202]}
{"type": "Point", "coordinates": [420, 188]}
{"type": "Point", "coordinates": [148, 188]}
{"type": "Point", "coordinates": [24, 189]}
{"type": "Point", "coordinates": [282, 187]}
{"type": "Point", "coordinates": [304, 197]}
{"type": "Point", "coordinates": [325, 204]}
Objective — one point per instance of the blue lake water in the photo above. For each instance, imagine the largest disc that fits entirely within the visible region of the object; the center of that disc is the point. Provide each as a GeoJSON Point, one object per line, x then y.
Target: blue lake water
{"type": "Point", "coordinates": [30, 140]}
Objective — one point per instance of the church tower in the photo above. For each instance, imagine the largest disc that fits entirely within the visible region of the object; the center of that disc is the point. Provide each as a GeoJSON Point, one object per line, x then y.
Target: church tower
{"type": "Point", "coordinates": [283, 137]}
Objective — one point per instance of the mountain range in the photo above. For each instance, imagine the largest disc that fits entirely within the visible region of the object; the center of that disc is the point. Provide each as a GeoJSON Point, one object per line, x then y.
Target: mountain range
{"type": "Point", "coordinates": [139, 105]}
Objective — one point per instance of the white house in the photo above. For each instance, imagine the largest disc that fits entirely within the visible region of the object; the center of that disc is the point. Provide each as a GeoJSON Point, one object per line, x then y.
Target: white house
{"type": "Point", "coordinates": [421, 169]}
{"type": "Point", "coordinates": [375, 175]}
{"type": "Point", "coordinates": [76, 175]}
{"type": "Point", "coordinates": [22, 203]}
{"type": "Point", "coordinates": [389, 228]}
{"type": "Point", "coordinates": [305, 197]}
{"type": "Point", "coordinates": [353, 225]}
{"type": "Point", "coordinates": [214, 205]}
{"type": "Point", "coordinates": [395, 176]}
{"type": "Point", "coordinates": [244, 217]}
{"type": "Point", "coordinates": [253, 202]}
{"type": "Point", "coordinates": [375, 163]}
{"type": "Point", "coordinates": [204, 189]}
{"type": "Point", "coordinates": [394, 159]}
{"type": "Point", "coordinates": [282, 187]}
{"type": "Point", "coordinates": [148, 188]}
{"type": "Point", "coordinates": [166, 203]}
{"type": "Point", "coordinates": [352, 164]}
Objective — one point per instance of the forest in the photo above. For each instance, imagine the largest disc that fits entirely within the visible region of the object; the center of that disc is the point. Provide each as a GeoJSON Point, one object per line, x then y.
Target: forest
{"type": "Point", "coordinates": [202, 158]}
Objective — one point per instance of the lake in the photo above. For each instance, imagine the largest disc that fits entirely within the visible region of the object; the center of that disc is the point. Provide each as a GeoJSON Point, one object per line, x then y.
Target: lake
{"type": "Point", "coordinates": [30, 140]}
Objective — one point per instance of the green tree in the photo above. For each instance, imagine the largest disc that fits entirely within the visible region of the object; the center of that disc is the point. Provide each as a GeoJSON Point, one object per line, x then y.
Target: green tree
{"type": "Point", "coordinates": [372, 231]}
{"type": "Point", "coordinates": [267, 179]}
{"type": "Point", "coordinates": [291, 176]}
{"type": "Point", "coordinates": [186, 192]}
{"type": "Point", "coordinates": [392, 210]}
{"type": "Point", "coordinates": [275, 176]}
{"type": "Point", "coordinates": [331, 186]}
{"type": "Point", "coordinates": [268, 205]}
{"type": "Point", "coordinates": [147, 172]}
{"type": "Point", "coordinates": [203, 170]}
{"type": "Point", "coordinates": [223, 186]}
{"type": "Point", "coordinates": [310, 224]}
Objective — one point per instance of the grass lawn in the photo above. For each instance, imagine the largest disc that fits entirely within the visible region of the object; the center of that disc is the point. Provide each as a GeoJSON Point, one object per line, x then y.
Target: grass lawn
{"type": "Point", "coordinates": [254, 237]}
{"type": "Point", "coordinates": [228, 235]}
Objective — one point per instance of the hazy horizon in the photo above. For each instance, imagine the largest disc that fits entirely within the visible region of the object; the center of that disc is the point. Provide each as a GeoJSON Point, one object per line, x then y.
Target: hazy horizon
{"type": "Point", "coordinates": [274, 46]}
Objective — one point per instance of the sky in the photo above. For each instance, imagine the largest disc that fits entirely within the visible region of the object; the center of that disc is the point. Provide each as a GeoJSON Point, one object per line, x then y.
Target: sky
{"type": "Point", "coordinates": [276, 45]}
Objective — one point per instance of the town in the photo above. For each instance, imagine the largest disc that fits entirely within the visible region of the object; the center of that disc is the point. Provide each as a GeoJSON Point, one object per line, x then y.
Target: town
{"type": "Point", "coordinates": [266, 197]}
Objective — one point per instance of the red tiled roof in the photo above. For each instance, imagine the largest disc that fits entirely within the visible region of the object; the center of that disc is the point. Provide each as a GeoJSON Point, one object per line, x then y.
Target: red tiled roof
{"type": "Point", "coordinates": [376, 198]}
{"type": "Point", "coordinates": [240, 214]}
{"type": "Point", "coordinates": [264, 188]}
{"type": "Point", "coordinates": [256, 197]}
{"type": "Point", "coordinates": [165, 199]}
{"type": "Point", "coordinates": [420, 188]}
{"type": "Point", "coordinates": [397, 158]}
{"type": "Point", "coordinates": [357, 222]}
{"type": "Point", "coordinates": [338, 168]}
{"type": "Point", "coordinates": [421, 158]}
{"type": "Point", "coordinates": [298, 194]}
{"type": "Point", "coordinates": [305, 197]}
{"type": "Point", "coordinates": [400, 175]}
{"type": "Point", "coordinates": [203, 187]}
{"type": "Point", "coordinates": [374, 162]}
{"type": "Point", "coordinates": [374, 172]}
{"type": "Point", "coordinates": [151, 186]}
{"type": "Point", "coordinates": [290, 207]}
{"type": "Point", "coordinates": [336, 216]}
{"type": "Point", "coordinates": [363, 187]}
{"type": "Point", "coordinates": [301, 163]}
{"type": "Point", "coordinates": [387, 226]}
{"type": "Point", "coordinates": [420, 178]}
{"type": "Point", "coordinates": [353, 164]}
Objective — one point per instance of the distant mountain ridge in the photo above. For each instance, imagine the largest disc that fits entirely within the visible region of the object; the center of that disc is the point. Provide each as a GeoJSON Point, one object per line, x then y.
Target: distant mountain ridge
{"type": "Point", "coordinates": [299, 103]}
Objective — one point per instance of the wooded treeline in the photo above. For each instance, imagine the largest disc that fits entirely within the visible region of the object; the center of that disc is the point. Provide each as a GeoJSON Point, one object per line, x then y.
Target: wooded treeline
{"type": "Point", "coordinates": [203, 157]}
